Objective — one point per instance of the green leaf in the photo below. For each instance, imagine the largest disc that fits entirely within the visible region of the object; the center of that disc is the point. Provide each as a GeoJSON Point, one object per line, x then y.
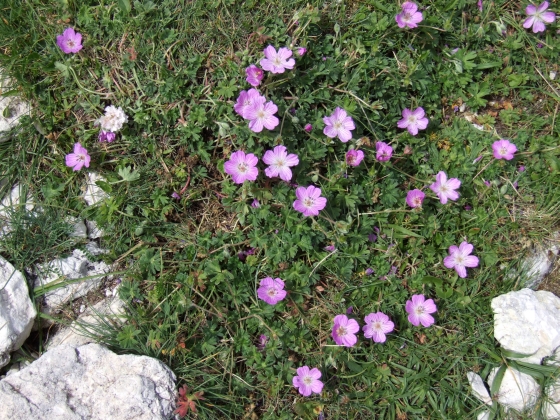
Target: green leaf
{"type": "Point", "coordinates": [105, 186]}
{"type": "Point", "coordinates": [128, 175]}
{"type": "Point", "coordinates": [63, 69]}
{"type": "Point", "coordinates": [404, 231]}
{"type": "Point", "coordinates": [498, 380]}
{"type": "Point", "coordinates": [433, 280]}
{"type": "Point", "coordinates": [13, 92]}
{"type": "Point", "coordinates": [444, 294]}
{"type": "Point", "coordinates": [124, 5]}
{"type": "Point", "coordinates": [510, 354]}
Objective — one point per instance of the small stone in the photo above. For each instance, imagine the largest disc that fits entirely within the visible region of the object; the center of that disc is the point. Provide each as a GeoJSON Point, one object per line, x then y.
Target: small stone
{"type": "Point", "coordinates": [478, 388]}
{"type": "Point", "coordinates": [93, 193]}
{"type": "Point", "coordinates": [517, 390]}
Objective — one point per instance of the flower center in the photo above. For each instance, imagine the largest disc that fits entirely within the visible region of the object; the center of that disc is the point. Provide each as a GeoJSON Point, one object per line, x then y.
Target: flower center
{"type": "Point", "coordinates": [459, 259]}
{"type": "Point", "coordinates": [308, 202]}
{"type": "Point", "coordinates": [308, 380]}
{"type": "Point", "coordinates": [503, 151]}
{"type": "Point", "coordinates": [407, 17]}
{"type": "Point", "coordinates": [277, 61]}
{"type": "Point", "coordinates": [341, 331]}
{"type": "Point", "coordinates": [81, 157]}
{"type": "Point", "coordinates": [351, 159]}
{"type": "Point", "coordinates": [280, 163]}
{"type": "Point", "coordinates": [70, 43]}
{"type": "Point", "coordinates": [412, 119]}
{"type": "Point", "coordinates": [337, 125]}
{"type": "Point", "coordinates": [377, 326]}
{"type": "Point", "coordinates": [443, 188]}
{"type": "Point", "coordinates": [272, 292]}
{"type": "Point", "coordinates": [260, 114]}
{"type": "Point", "coordinates": [419, 310]}
{"type": "Point", "coordinates": [242, 167]}
{"type": "Point", "coordinates": [417, 201]}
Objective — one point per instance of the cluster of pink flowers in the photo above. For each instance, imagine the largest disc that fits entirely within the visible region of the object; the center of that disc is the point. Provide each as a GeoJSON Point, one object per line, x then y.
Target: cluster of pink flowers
{"type": "Point", "coordinates": [252, 106]}
{"type": "Point", "coordinates": [243, 167]}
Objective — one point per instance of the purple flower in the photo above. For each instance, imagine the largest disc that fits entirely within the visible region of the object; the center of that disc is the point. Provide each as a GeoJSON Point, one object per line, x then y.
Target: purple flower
{"type": "Point", "coordinates": [410, 16]}
{"type": "Point", "coordinates": [262, 115]}
{"type": "Point", "coordinates": [521, 169]}
{"type": "Point", "coordinates": [254, 75]}
{"type": "Point", "coordinates": [384, 151]}
{"type": "Point", "coordinates": [242, 167]}
{"type": "Point", "coordinates": [468, 208]}
{"type": "Point", "coordinates": [344, 331]}
{"type": "Point", "coordinates": [271, 290]}
{"type": "Point", "coordinates": [538, 16]}
{"type": "Point", "coordinates": [354, 157]}
{"type": "Point", "coordinates": [175, 195]}
{"type": "Point", "coordinates": [280, 162]}
{"type": "Point", "coordinates": [106, 136]}
{"type": "Point", "coordinates": [330, 248]}
{"type": "Point", "coordinates": [487, 183]}
{"type": "Point", "coordinates": [413, 120]}
{"type": "Point", "coordinates": [339, 124]}
{"type": "Point", "coordinates": [515, 184]}
{"type": "Point", "coordinates": [349, 310]}
{"type": "Point", "coordinates": [377, 325]}
{"type": "Point", "coordinates": [70, 41]}
{"type": "Point", "coordinates": [460, 257]}
{"type": "Point", "coordinates": [477, 159]}
{"type": "Point", "coordinates": [263, 339]}
{"type": "Point", "coordinates": [414, 198]}
{"type": "Point", "coordinates": [479, 4]}
{"type": "Point", "coordinates": [309, 201]}
{"type": "Point", "coordinates": [503, 149]}
{"type": "Point", "coordinates": [301, 51]}
{"type": "Point", "coordinates": [419, 310]}
{"type": "Point", "coordinates": [539, 45]}
{"type": "Point", "coordinates": [369, 271]}
{"type": "Point", "coordinates": [277, 62]}
{"type": "Point", "coordinates": [255, 204]}
{"type": "Point", "coordinates": [246, 100]}
{"type": "Point", "coordinates": [78, 159]}
{"type": "Point", "coordinates": [307, 381]}
{"type": "Point", "coordinates": [445, 189]}
{"type": "Point", "coordinates": [372, 237]}
{"type": "Point", "coordinates": [394, 268]}
{"type": "Point", "coordinates": [308, 128]}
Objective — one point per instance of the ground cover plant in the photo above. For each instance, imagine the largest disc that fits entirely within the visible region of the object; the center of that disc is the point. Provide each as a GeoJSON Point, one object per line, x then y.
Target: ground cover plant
{"type": "Point", "coordinates": [310, 223]}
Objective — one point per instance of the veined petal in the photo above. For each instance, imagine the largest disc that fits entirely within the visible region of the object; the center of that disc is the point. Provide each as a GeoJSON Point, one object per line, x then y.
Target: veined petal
{"type": "Point", "coordinates": [542, 7]}
{"type": "Point", "coordinates": [471, 261]}
{"type": "Point", "coordinates": [548, 17]}
{"type": "Point", "coordinates": [344, 135]}
{"type": "Point", "coordinates": [330, 131]}
{"type": "Point", "coordinates": [530, 10]}
{"type": "Point", "coordinates": [427, 320]}
{"type": "Point", "coordinates": [528, 22]}
{"type": "Point", "coordinates": [430, 307]}
{"type": "Point", "coordinates": [538, 26]}
{"type": "Point", "coordinates": [465, 248]}
{"type": "Point", "coordinates": [461, 271]}
{"type": "Point", "coordinates": [419, 112]}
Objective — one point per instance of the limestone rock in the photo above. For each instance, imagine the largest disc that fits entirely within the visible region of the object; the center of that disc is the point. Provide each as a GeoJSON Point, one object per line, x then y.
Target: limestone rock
{"type": "Point", "coordinates": [16, 108]}
{"type": "Point", "coordinates": [528, 322]}
{"type": "Point", "coordinates": [89, 382]}
{"type": "Point", "coordinates": [71, 268]}
{"type": "Point", "coordinates": [552, 406]}
{"type": "Point", "coordinates": [9, 204]}
{"type": "Point", "coordinates": [93, 194]}
{"type": "Point", "coordinates": [478, 388]}
{"type": "Point", "coordinates": [540, 262]}
{"type": "Point", "coordinates": [81, 330]}
{"type": "Point", "coordinates": [517, 391]}
{"type": "Point", "coordinates": [17, 312]}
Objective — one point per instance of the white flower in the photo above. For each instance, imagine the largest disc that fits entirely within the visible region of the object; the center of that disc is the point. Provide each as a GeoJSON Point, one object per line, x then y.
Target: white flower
{"type": "Point", "coordinates": [113, 119]}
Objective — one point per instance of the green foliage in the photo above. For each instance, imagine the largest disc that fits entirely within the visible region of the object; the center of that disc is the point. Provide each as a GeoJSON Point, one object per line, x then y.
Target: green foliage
{"type": "Point", "coordinates": [176, 68]}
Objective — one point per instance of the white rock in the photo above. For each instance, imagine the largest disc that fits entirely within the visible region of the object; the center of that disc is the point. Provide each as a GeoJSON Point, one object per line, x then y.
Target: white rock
{"type": "Point", "coordinates": [93, 194]}
{"type": "Point", "coordinates": [93, 230]}
{"type": "Point", "coordinates": [552, 407]}
{"type": "Point", "coordinates": [552, 75]}
{"type": "Point", "coordinates": [478, 388]}
{"type": "Point", "coordinates": [79, 229]}
{"type": "Point", "coordinates": [517, 391]}
{"type": "Point", "coordinates": [17, 312]}
{"type": "Point", "coordinates": [17, 108]}
{"type": "Point", "coordinates": [528, 322]}
{"type": "Point", "coordinates": [9, 204]}
{"type": "Point", "coordinates": [83, 330]}
{"type": "Point", "coordinates": [89, 382]}
{"type": "Point", "coordinates": [71, 268]}
{"type": "Point", "coordinates": [94, 249]}
{"type": "Point", "coordinates": [540, 262]}
{"type": "Point", "coordinates": [485, 415]}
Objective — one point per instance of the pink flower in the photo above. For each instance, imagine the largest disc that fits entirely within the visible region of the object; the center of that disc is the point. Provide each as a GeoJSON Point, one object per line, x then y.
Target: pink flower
{"type": "Point", "coordinates": [255, 204]}
{"type": "Point", "coordinates": [280, 162]}
{"type": "Point", "coordinates": [175, 195]}
{"type": "Point", "coordinates": [254, 75]}
{"type": "Point", "coordinates": [78, 159]}
{"type": "Point", "coordinates": [242, 167]}
{"type": "Point", "coordinates": [537, 17]}
{"type": "Point", "coordinates": [271, 290]}
{"type": "Point", "coordinates": [354, 157]}
{"type": "Point", "coordinates": [479, 4]}
{"type": "Point", "coordinates": [247, 100]}
{"type": "Point", "coordinates": [309, 201]}
{"type": "Point", "coordinates": [262, 115]}
{"type": "Point", "coordinates": [301, 51]}
{"type": "Point", "coordinates": [70, 41]}
{"type": "Point", "coordinates": [461, 257]}
{"type": "Point", "coordinates": [413, 120]}
{"type": "Point", "coordinates": [410, 16]}
{"type": "Point", "coordinates": [106, 136]}
{"type": "Point", "coordinates": [344, 331]}
{"type": "Point", "coordinates": [339, 124]}
{"type": "Point", "coordinates": [330, 248]}
{"type": "Point", "coordinates": [384, 151]}
{"type": "Point", "coordinates": [307, 381]}
{"type": "Point", "coordinates": [419, 310]}
{"type": "Point", "coordinates": [503, 149]}
{"type": "Point", "coordinates": [308, 128]}
{"type": "Point", "coordinates": [445, 189]}
{"type": "Point", "coordinates": [414, 198]}
{"type": "Point", "coordinates": [277, 62]}
{"type": "Point", "coordinates": [377, 325]}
